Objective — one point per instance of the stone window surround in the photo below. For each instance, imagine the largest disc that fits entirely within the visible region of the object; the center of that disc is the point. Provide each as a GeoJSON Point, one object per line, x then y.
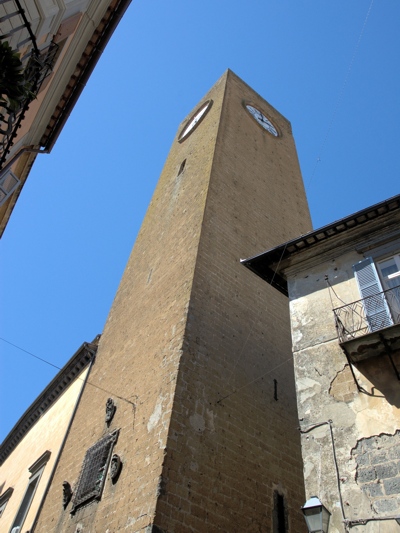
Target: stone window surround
{"type": "Point", "coordinates": [36, 471]}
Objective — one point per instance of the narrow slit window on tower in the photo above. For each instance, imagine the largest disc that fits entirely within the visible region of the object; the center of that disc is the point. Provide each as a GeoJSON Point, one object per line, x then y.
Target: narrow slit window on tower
{"type": "Point", "coordinates": [182, 167]}
{"type": "Point", "coordinates": [94, 470]}
{"type": "Point", "coordinates": [280, 514]}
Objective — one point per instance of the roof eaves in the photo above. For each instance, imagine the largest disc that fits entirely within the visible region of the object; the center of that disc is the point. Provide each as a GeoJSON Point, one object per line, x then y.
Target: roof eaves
{"type": "Point", "coordinates": [266, 265]}
{"type": "Point", "coordinates": [83, 71]}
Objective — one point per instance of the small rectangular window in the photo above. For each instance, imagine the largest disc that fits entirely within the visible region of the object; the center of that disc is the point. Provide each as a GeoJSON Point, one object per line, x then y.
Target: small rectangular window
{"type": "Point", "coordinates": [94, 470]}
{"type": "Point", "coordinates": [280, 514]}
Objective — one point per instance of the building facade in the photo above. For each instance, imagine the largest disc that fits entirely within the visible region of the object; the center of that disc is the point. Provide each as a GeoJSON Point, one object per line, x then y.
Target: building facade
{"type": "Point", "coordinates": [191, 422]}
{"type": "Point", "coordinates": [343, 282]}
{"type": "Point", "coordinates": [48, 50]}
{"type": "Point", "coordinates": [29, 454]}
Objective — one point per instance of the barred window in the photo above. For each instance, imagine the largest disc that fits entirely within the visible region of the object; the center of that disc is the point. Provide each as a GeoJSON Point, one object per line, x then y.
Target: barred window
{"type": "Point", "coordinates": [94, 470]}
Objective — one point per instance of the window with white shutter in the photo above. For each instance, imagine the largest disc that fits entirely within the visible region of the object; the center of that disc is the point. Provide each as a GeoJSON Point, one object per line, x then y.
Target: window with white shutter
{"type": "Point", "coordinates": [374, 301]}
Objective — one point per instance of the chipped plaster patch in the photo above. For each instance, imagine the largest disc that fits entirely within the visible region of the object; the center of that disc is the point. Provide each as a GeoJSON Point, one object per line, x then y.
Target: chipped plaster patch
{"type": "Point", "coordinates": [210, 419]}
{"type": "Point", "coordinates": [308, 468]}
{"type": "Point", "coordinates": [155, 416]}
{"type": "Point", "coordinates": [308, 388]}
{"type": "Point", "coordinates": [342, 415]}
{"type": "Point", "coordinates": [197, 422]}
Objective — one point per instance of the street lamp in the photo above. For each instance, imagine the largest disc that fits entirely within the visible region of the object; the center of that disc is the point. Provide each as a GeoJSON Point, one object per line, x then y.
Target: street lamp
{"type": "Point", "coordinates": [316, 515]}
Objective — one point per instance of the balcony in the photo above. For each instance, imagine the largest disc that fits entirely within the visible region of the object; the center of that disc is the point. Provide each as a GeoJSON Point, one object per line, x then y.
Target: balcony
{"type": "Point", "coordinates": [32, 68]}
{"type": "Point", "coordinates": [371, 326]}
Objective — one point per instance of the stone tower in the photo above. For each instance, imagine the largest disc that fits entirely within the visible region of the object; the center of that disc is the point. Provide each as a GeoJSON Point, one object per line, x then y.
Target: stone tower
{"type": "Point", "coordinates": [196, 351]}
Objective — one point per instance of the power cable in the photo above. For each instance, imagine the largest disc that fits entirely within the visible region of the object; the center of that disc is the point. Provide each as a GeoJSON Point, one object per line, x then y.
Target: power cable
{"type": "Point", "coordinates": [112, 393]}
{"type": "Point", "coordinates": [59, 368]}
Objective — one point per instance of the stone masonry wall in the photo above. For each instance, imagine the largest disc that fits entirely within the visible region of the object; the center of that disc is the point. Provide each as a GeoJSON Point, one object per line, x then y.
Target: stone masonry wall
{"type": "Point", "coordinates": [378, 471]}
{"type": "Point", "coordinates": [361, 466]}
{"type": "Point", "coordinates": [196, 351]}
{"type": "Point", "coordinates": [232, 444]}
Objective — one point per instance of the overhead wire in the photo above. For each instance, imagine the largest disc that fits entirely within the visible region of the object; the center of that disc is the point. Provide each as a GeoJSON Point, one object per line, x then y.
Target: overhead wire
{"type": "Point", "coordinates": [59, 368]}
{"type": "Point", "coordinates": [114, 394]}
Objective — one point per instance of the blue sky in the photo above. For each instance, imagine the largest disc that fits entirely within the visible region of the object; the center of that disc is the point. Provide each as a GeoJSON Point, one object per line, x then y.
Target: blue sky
{"type": "Point", "coordinates": [68, 240]}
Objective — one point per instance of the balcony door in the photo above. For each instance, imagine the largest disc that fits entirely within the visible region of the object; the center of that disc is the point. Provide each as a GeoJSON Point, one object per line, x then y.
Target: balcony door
{"type": "Point", "coordinates": [389, 271]}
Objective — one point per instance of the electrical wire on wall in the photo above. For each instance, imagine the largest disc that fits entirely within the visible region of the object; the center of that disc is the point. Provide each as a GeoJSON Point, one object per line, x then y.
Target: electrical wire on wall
{"type": "Point", "coordinates": [329, 423]}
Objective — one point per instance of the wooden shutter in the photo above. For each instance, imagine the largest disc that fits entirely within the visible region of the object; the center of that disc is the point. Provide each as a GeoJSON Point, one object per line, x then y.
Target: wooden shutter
{"type": "Point", "coordinates": [374, 302]}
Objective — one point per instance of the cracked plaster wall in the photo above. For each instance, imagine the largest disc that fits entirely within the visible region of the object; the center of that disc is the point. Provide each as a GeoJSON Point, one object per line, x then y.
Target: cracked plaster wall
{"type": "Point", "coordinates": [326, 391]}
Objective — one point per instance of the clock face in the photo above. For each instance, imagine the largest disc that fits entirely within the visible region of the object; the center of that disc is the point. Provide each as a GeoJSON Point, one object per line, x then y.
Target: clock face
{"type": "Point", "coordinates": [195, 120]}
{"type": "Point", "coordinates": [262, 120]}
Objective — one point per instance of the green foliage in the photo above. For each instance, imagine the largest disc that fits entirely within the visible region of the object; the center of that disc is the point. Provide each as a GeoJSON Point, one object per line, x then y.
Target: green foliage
{"type": "Point", "coordinates": [14, 87]}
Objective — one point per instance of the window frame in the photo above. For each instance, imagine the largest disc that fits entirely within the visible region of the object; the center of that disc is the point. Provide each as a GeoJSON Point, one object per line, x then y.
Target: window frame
{"type": "Point", "coordinates": [36, 471]}
{"type": "Point", "coordinates": [88, 487]}
{"type": "Point", "coordinates": [396, 275]}
{"type": "Point", "coordinates": [4, 499]}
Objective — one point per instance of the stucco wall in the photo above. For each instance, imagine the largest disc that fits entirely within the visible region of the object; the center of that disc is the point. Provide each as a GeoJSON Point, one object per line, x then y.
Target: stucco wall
{"type": "Point", "coordinates": [364, 423]}
{"type": "Point", "coordinates": [46, 434]}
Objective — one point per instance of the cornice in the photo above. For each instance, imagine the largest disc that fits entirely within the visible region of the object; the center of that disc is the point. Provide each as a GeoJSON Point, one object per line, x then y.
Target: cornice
{"type": "Point", "coordinates": [333, 238]}
{"type": "Point", "coordinates": [78, 362]}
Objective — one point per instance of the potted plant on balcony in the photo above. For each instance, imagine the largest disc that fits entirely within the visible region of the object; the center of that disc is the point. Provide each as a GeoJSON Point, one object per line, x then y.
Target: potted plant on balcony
{"type": "Point", "coordinates": [14, 87]}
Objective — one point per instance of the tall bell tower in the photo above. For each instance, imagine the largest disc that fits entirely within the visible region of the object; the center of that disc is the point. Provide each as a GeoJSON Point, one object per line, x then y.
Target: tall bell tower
{"type": "Point", "coordinates": [195, 359]}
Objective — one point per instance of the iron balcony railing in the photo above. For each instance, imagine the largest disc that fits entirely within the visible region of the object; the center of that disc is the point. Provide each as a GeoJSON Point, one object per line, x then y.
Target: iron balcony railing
{"type": "Point", "coordinates": [370, 314]}
{"type": "Point", "coordinates": [36, 66]}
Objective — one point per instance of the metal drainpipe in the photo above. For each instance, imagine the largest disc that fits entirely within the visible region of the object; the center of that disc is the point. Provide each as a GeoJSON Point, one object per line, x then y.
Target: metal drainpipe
{"type": "Point", "coordinates": [329, 423]}
{"type": "Point", "coordinates": [62, 445]}
{"type": "Point", "coordinates": [31, 149]}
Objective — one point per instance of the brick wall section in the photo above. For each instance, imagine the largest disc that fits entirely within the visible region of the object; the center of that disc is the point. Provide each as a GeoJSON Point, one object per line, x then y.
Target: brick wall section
{"type": "Point", "coordinates": [189, 325]}
{"type": "Point", "coordinates": [378, 471]}
{"type": "Point", "coordinates": [237, 331]}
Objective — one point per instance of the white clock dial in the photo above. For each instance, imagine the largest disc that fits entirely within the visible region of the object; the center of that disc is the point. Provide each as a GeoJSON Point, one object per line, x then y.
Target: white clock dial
{"type": "Point", "coordinates": [262, 120]}
{"type": "Point", "coordinates": [194, 121]}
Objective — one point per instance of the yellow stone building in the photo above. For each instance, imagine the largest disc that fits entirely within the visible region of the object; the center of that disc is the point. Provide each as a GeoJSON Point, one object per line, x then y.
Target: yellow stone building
{"type": "Point", "coordinates": [59, 43]}
{"type": "Point", "coordinates": [30, 452]}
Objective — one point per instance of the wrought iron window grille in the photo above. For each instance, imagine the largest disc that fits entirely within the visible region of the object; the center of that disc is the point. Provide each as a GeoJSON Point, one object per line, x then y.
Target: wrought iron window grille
{"type": "Point", "coordinates": [94, 471]}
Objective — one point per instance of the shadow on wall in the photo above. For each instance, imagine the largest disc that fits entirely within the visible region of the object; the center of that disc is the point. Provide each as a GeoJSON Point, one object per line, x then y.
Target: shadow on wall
{"type": "Point", "coordinates": [380, 371]}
